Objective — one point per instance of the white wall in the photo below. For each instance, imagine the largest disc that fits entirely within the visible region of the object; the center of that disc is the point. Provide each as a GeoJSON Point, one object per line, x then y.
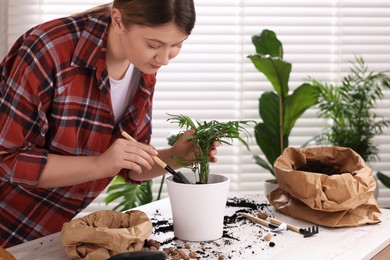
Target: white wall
{"type": "Point", "coordinates": [3, 28]}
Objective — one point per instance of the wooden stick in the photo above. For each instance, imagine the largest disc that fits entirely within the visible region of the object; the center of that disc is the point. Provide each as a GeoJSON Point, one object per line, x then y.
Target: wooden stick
{"type": "Point", "coordinates": [291, 227]}
{"type": "Point", "coordinates": [155, 158]}
{"type": "Point", "coordinates": [178, 176]}
{"type": "Point", "coordinates": [259, 221]}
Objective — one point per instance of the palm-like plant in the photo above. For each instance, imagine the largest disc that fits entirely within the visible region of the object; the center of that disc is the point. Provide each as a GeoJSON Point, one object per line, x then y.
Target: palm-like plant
{"type": "Point", "coordinates": [206, 133]}
{"type": "Point", "coordinates": [133, 195]}
{"type": "Point", "coordinates": [348, 107]}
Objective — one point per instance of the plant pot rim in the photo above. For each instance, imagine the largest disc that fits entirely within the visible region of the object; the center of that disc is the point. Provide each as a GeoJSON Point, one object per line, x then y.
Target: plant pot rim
{"type": "Point", "coordinates": [274, 181]}
{"type": "Point", "coordinates": [223, 177]}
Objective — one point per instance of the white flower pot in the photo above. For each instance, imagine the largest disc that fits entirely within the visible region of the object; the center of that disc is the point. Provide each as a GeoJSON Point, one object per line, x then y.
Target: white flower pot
{"type": "Point", "coordinates": [270, 185]}
{"type": "Point", "coordinates": [198, 209]}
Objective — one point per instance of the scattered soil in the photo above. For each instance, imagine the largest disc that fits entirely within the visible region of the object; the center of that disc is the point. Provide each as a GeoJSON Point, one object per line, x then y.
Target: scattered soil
{"type": "Point", "coordinates": [317, 166]}
{"type": "Point", "coordinates": [231, 222]}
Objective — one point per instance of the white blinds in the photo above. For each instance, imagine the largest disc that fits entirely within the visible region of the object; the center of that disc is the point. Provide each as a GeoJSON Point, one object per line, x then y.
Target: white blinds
{"type": "Point", "coordinates": [213, 79]}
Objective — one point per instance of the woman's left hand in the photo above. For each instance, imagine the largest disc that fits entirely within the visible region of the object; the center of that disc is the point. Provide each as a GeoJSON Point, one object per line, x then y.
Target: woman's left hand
{"type": "Point", "coordinates": [184, 147]}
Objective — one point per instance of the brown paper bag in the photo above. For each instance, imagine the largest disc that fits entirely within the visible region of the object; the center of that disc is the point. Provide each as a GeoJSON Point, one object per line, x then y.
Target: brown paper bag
{"type": "Point", "coordinates": [338, 200]}
{"type": "Point", "coordinates": [105, 233]}
{"type": "Point", "coordinates": [5, 255]}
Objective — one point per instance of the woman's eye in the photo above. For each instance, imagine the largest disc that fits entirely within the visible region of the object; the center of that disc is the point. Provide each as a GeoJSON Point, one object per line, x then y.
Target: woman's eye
{"type": "Point", "coordinates": [153, 46]}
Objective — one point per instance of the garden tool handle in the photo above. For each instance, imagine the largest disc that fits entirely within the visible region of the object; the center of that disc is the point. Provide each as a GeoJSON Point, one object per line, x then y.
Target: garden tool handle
{"type": "Point", "coordinates": [259, 220]}
{"type": "Point", "coordinates": [291, 227]}
{"type": "Point", "coordinates": [155, 158]}
{"type": "Point", "coordinates": [178, 176]}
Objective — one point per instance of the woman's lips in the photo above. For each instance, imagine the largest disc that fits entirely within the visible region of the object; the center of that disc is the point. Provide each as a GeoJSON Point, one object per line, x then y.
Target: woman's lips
{"type": "Point", "coordinates": [155, 67]}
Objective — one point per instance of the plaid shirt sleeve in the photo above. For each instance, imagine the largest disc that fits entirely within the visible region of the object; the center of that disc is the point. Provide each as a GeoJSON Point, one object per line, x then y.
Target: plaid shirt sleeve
{"type": "Point", "coordinates": [25, 92]}
{"type": "Point", "coordinates": [39, 69]}
{"type": "Point", "coordinates": [55, 98]}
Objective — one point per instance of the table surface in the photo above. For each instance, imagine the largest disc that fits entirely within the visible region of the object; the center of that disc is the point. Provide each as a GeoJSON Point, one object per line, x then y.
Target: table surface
{"type": "Point", "coordinates": [243, 239]}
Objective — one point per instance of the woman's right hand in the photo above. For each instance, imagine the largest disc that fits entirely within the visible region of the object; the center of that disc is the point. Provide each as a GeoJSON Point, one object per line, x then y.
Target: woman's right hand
{"type": "Point", "coordinates": [125, 154]}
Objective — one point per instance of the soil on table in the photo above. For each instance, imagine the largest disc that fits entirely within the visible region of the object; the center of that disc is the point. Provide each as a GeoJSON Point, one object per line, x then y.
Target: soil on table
{"type": "Point", "coordinates": [317, 166]}
{"type": "Point", "coordinates": [232, 222]}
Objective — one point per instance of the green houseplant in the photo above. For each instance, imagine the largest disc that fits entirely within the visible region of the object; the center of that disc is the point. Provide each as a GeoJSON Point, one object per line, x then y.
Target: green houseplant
{"type": "Point", "coordinates": [133, 195]}
{"type": "Point", "coordinates": [348, 108]}
{"type": "Point", "coordinates": [206, 133]}
{"type": "Point", "coordinates": [129, 195]}
{"type": "Point", "coordinates": [207, 196]}
{"type": "Point", "coordinates": [278, 109]}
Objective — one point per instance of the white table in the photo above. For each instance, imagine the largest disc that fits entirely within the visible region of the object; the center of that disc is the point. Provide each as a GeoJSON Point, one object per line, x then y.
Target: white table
{"type": "Point", "coordinates": [244, 239]}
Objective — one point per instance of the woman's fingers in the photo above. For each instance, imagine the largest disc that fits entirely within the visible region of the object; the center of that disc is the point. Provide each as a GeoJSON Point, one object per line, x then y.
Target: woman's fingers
{"type": "Point", "coordinates": [139, 152]}
{"type": "Point", "coordinates": [213, 151]}
{"type": "Point", "coordinates": [124, 154]}
{"type": "Point", "coordinates": [138, 156]}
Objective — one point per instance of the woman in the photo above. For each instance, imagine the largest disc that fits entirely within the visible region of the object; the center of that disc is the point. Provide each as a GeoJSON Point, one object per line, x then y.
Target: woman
{"type": "Point", "coordinates": [68, 88]}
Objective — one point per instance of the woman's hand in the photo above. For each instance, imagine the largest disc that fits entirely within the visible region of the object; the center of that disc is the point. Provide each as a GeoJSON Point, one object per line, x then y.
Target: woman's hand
{"type": "Point", "coordinates": [184, 148]}
{"type": "Point", "coordinates": [125, 154]}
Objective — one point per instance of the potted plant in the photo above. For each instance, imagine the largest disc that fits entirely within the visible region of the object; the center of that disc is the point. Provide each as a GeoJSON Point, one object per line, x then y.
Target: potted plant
{"type": "Point", "coordinates": [348, 108]}
{"type": "Point", "coordinates": [278, 109]}
{"type": "Point", "coordinates": [130, 195]}
{"type": "Point", "coordinates": [198, 209]}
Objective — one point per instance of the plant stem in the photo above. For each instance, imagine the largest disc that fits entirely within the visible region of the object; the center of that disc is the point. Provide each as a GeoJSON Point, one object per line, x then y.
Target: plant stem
{"type": "Point", "coordinates": [204, 171]}
{"type": "Point", "coordinates": [281, 123]}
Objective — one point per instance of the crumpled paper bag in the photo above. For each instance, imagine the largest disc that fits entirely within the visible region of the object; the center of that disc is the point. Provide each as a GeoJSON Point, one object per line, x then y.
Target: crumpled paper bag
{"type": "Point", "coordinates": [340, 200]}
{"type": "Point", "coordinates": [105, 233]}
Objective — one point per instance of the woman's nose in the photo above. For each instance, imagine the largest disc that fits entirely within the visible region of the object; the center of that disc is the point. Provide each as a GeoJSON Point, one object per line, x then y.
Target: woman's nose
{"type": "Point", "coordinates": [163, 56]}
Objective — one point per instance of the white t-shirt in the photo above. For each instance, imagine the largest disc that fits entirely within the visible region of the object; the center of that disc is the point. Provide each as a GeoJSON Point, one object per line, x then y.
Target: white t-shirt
{"type": "Point", "coordinates": [123, 91]}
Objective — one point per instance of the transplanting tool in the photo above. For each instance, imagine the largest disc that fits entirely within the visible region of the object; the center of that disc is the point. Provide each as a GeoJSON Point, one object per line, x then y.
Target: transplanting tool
{"type": "Point", "coordinates": [177, 176]}
{"type": "Point", "coordinates": [273, 227]}
{"type": "Point", "coordinates": [306, 232]}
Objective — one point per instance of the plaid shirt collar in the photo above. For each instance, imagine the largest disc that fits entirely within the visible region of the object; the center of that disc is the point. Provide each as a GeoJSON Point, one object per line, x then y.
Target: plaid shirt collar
{"type": "Point", "coordinates": [82, 56]}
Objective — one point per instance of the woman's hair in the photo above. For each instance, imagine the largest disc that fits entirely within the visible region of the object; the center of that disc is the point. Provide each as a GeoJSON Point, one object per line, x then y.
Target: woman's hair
{"type": "Point", "coordinates": [153, 12]}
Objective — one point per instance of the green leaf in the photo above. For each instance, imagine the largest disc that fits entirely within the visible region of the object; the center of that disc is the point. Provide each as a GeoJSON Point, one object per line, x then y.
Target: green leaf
{"type": "Point", "coordinates": [276, 70]}
{"type": "Point", "coordinates": [269, 109]}
{"type": "Point", "coordinates": [304, 97]}
{"type": "Point", "coordinates": [133, 195]}
{"type": "Point", "coordinates": [206, 133]}
{"type": "Point", "coordinates": [268, 141]}
{"type": "Point", "coordinates": [267, 43]}
{"type": "Point", "coordinates": [259, 161]}
{"type": "Point", "coordinates": [384, 179]}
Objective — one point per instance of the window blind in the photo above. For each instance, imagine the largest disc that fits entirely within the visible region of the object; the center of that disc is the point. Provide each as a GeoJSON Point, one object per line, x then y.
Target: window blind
{"type": "Point", "coordinates": [212, 78]}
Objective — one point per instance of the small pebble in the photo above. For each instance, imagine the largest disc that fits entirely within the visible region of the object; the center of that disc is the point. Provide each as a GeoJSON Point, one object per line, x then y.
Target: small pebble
{"type": "Point", "coordinates": [262, 215]}
{"type": "Point", "coordinates": [267, 237]}
{"type": "Point", "coordinates": [271, 244]}
{"type": "Point", "coordinates": [193, 255]}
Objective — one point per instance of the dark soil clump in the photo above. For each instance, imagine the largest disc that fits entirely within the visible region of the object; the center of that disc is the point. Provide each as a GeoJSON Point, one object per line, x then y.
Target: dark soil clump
{"type": "Point", "coordinates": [317, 166]}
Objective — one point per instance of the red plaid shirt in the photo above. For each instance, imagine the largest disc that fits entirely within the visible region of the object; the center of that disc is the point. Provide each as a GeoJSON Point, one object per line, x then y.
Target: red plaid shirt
{"type": "Point", "coordinates": [55, 98]}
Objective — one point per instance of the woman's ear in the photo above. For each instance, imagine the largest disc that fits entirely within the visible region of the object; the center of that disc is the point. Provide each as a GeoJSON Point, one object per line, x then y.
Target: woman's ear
{"type": "Point", "coordinates": [116, 20]}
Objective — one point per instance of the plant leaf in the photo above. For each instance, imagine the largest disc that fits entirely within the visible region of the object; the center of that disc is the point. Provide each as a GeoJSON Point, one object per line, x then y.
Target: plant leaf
{"type": "Point", "coordinates": [267, 43]}
{"type": "Point", "coordinates": [269, 109]}
{"type": "Point", "coordinates": [268, 141]}
{"type": "Point", "coordinates": [304, 97]}
{"type": "Point", "coordinates": [384, 179]}
{"type": "Point", "coordinates": [276, 70]}
{"type": "Point", "coordinates": [259, 161]}
{"type": "Point", "coordinates": [133, 195]}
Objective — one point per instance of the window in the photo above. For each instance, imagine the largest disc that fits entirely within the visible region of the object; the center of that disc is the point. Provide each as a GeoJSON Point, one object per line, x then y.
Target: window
{"type": "Point", "coordinates": [213, 79]}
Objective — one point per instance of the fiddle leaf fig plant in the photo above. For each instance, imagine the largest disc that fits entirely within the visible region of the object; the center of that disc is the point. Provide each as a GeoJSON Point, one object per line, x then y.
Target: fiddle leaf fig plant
{"type": "Point", "coordinates": [278, 109]}
{"type": "Point", "coordinates": [206, 133]}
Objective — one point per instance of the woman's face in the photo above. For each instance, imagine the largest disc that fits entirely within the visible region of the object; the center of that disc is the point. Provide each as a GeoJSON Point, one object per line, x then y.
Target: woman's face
{"type": "Point", "coordinates": [149, 48]}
